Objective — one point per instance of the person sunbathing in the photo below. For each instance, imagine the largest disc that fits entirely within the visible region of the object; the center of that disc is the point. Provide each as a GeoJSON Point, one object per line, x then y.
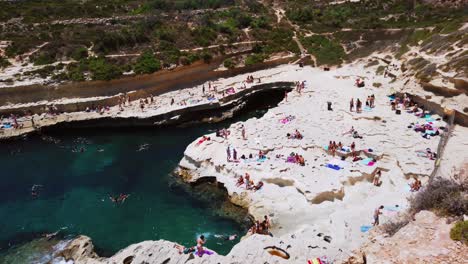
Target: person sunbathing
{"type": "Point", "coordinates": [240, 181]}
{"type": "Point", "coordinates": [301, 160]}
{"type": "Point", "coordinates": [356, 135]}
{"type": "Point", "coordinates": [377, 182]}
{"type": "Point", "coordinates": [203, 139]}
{"type": "Point", "coordinates": [184, 250]}
{"type": "Point", "coordinates": [250, 185]}
{"type": "Point", "coordinates": [258, 186]}
{"type": "Point", "coordinates": [416, 185]}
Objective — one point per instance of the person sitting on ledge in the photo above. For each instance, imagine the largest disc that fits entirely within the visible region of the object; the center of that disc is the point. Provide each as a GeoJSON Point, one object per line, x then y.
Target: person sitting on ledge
{"type": "Point", "coordinates": [240, 181]}
{"type": "Point", "coordinates": [416, 185]}
{"type": "Point", "coordinates": [258, 186]}
{"type": "Point", "coordinates": [377, 182]}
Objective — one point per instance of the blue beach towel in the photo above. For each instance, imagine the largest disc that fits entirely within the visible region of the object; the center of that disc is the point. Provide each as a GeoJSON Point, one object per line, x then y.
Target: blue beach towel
{"type": "Point", "coordinates": [365, 228]}
{"type": "Point", "coordinates": [333, 167]}
{"type": "Point", "coordinates": [366, 161]}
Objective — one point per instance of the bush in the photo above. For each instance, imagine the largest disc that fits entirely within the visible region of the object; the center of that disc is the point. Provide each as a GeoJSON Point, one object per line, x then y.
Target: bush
{"type": "Point", "coordinates": [380, 70]}
{"type": "Point", "coordinates": [377, 85]}
{"type": "Point", "coordinates": [79, 53]}
{"type": "Point", "coordinates": [43, 59]}
{"type": "Point", "coordinates": [392, 227]}
{"type": "Point", "coordinates": [444, 196]}
{"type": "Point", "coordinates": [229, 63]}
{"type": "Point", "coordinates": [324, 49]}
{"type": "Point", "coordinates": [102, 70]}
{"type": "Point", "coordinates": [147, 63]}
{"type": "Point", "coordinates": [207, 57]}
{"type": "Point", "coordinates": [4, 62]}
{"type": "Point", "coordinates": [254, 59]}
{"type": "Point", "coordinates": [459, 232]}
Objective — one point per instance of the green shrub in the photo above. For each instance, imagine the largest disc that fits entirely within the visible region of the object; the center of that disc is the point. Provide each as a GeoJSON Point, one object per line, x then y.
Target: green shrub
{"type": "Point", "coordinates": [79, 53]}
{"type": "Point", "coordinates": [254, 59]}
{"type": "Point", "coordinates": [229, 63]}
{"type": "Point", "coordinates": [206, 56]}
{"type": "Point", "coordinates": [325, 50]}
{"type": "Point", "coordinates": [459, 232]}
{"type": "Point", "coordinates": [147, 64]}
{"type": "Point", "coordinates": [102, 70]}
{"type": "Point", "coordinates": [43, 59]}
{"type": "Point", "coordinates": [380, 70]}
{"type": "Point", "coordinates": [4, 62]}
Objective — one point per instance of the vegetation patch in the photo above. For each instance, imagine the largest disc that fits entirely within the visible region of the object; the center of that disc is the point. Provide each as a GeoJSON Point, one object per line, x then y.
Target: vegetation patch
{"type": "Point", "coordinates": [325, 50]}
{"type": "Point", "coordinates": [459, 232]}
{"type": "Point", "coordinates": [4, 62]}
{"type": "Point", "coordinates": [380, 70]}
{"type": "Point", "coordinates": [229, 63]}
{"type": "Point", "coordinates": [147, 63]}
{"type": "Point", "coordinates": [254, 59]}
{"type": "Point", "coordinates": [445, 197]}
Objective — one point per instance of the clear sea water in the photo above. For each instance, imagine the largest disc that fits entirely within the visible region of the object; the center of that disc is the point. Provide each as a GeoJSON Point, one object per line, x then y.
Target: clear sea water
{"type": "Point", "coordinates": [74, 197]}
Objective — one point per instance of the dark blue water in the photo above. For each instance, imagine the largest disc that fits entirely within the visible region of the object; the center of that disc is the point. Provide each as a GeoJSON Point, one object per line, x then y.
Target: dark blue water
{"type": "Point", "coordinates": [75, 189]}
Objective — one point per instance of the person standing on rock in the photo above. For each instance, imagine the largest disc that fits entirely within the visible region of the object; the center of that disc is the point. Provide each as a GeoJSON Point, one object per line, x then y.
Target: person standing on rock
{"type": "Point", "coordinates": [234, 154]}
{"type": "Point", "coordinates": [228, 153]}
{"type": "Point", "coordinates": [200, 242]}
{"type": "Point", "coordinates": [377, 214]}
{"type": "Point", "coordinates": [243, 133]}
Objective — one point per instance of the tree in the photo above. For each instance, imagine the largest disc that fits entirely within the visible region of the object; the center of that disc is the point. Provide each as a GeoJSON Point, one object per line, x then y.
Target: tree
{"type": "Point", "coordinates": [147, 64]}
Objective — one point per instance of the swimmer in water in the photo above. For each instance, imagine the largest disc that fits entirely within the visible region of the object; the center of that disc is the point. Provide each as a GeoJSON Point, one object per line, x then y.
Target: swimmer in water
{"type": "Point", "coordinates": [51, 235]}
{"type": "Point", "coordinates": [226, 237]}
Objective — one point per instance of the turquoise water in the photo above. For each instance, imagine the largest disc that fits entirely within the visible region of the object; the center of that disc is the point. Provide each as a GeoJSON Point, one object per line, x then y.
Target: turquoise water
{"type": "Point", "coordinates": [74, 197]}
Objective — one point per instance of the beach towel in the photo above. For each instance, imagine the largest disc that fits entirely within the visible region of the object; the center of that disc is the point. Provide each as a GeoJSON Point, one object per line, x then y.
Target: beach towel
{"type": "Point", "coordinates": [231, 91]}
{"type": "Point", "coordinates": [333, 167]}
{"type": "Point", "coordinates": [205, 251]}
{"type": "Point", "coordinates": [365, 228]}
{"type": "Point", "coordinates": [367, 161]}
{"type": "Point", "coordinates": [407, 188]}
{"type": "Point", "coordinates": [367, 109]}
{"type": "Point", "coordinates": [314, 261]}
{"type": "Point", "coordinates": [287, 119]}
{"type": "Point", "coordinates": [391, 97]}
{"type": "Point", "coordinates": [262, 159]}
{"type": "Point", "coordinates": [346, 149]}
{"type": "Point", "coordinates": [325, 148]}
